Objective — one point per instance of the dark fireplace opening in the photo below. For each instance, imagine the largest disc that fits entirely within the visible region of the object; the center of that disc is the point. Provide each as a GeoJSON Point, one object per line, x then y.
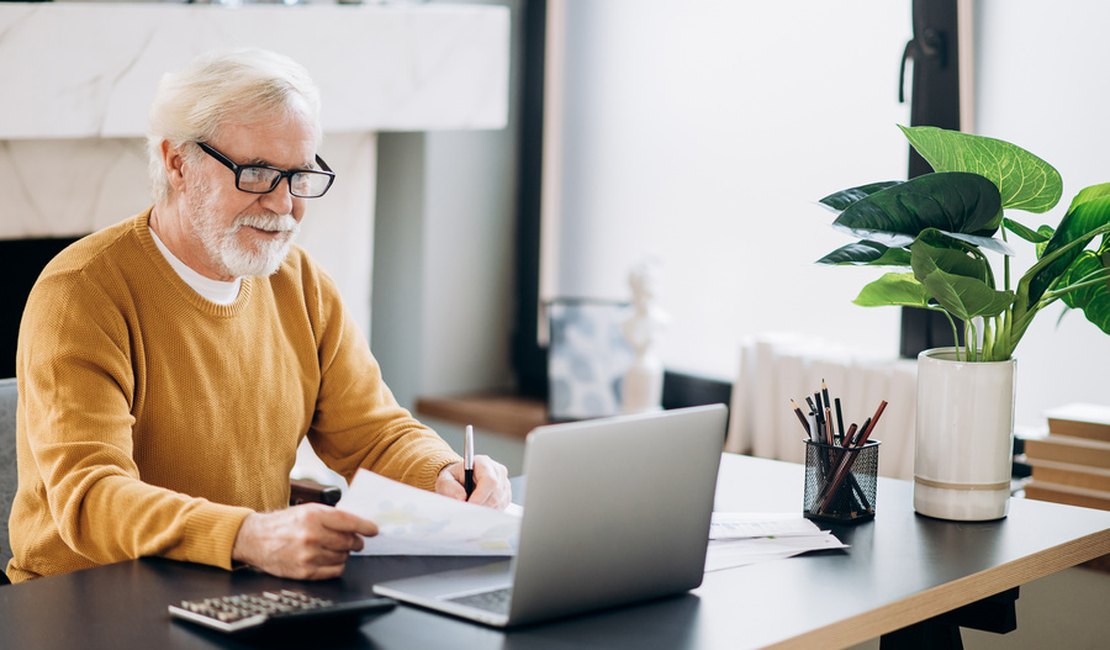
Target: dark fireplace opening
{"type": "Point", "coordinates": [21, 261]}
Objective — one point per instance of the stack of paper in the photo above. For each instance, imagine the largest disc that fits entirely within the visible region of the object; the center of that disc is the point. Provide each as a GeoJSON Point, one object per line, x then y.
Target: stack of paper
{"type": "Point", "coordinates": [737, 538]}
{"type": "Point", "coordinates": [416, 522]}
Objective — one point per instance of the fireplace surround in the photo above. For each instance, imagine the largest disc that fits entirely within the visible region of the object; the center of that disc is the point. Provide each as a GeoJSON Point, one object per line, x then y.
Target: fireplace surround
{"type": "Point", "coordinates": [76, 80]}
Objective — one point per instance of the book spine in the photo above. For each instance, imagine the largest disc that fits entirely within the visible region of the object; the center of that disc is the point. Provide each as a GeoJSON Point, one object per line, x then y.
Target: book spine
{"type": "Point", "coordinates": [1068, 450]}
{"type": "Point", "coordinates": [1080, 429]}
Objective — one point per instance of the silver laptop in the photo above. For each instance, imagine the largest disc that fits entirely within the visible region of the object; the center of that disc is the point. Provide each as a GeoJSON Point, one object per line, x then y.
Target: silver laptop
{"type": "Point", "coordinates": [616, 510]}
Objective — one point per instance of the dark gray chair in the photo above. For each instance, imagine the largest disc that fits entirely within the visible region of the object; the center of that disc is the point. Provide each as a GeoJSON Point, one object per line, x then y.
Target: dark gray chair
{"type": "Point", "coordinates": [8, 478]}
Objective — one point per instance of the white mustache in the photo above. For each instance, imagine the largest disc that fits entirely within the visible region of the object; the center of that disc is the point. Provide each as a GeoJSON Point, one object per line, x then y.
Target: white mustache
{"type": "Point", "coordinates": [270, 223]}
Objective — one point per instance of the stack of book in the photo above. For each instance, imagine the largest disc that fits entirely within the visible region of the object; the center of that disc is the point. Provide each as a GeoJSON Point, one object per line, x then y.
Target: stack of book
{"type": "Point", "coordinates": [1072, 463]}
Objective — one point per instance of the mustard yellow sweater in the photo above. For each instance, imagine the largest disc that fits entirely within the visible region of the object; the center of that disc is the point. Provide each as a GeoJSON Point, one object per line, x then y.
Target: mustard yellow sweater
{"type": "Point", "coordinates": [152, 422]}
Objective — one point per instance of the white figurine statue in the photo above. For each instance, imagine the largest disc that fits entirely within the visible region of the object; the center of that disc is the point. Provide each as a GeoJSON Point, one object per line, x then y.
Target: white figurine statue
{"type": "Point", "coordinates": [642, 388]}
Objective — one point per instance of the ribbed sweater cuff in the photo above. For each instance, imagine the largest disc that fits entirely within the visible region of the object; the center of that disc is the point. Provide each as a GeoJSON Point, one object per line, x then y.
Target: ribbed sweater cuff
{"type": "Point", "coordinates": [210, 532]}
{"type": "Point", "coordinates": [426, 476]}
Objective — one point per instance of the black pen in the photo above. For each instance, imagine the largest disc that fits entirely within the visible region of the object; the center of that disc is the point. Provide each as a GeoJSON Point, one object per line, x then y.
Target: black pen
{"type": "Point", "coordinates": [468, 460]}
{"type": "Point", "coordinates": [839, 419]}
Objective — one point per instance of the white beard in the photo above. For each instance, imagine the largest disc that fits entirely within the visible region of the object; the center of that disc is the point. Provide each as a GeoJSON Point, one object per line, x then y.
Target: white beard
{"type": "Point", "coordinates": [223, 246]}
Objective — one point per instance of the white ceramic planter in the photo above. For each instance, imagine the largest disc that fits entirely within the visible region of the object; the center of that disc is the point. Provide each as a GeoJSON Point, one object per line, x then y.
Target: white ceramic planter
{"type": "Point", "coordinates": [964, 438]}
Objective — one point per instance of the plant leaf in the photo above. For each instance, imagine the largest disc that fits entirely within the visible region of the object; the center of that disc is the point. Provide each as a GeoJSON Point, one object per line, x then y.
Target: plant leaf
{"type": "Point", "coordinates": [950, 201]}
{"type": "Point", "coordinates": [990, 243]}
{"type": "Point", "coordinates": [888, 239]}
{"type": "Point", "coordinates": [838, 201]}
{"type": "Point", "coordinates": [1025, 181]}
{"type": "Point", "coordinates": [1090, 194]}
{"type": "Point", "coordinates": [1089, 210]}
{"type": "Point", "coordinates": [1031, 236]}
{"type": "Point", "coordinates": [960, 283]}
{"type": "Point", "coordinates": [1045, 231]}
{"type": "Point", "coordinates": [965, 297]}
{"type": "Point", "coordinates": [927, 257]}
{"type": "Point", "coordinates": [893, 289]}
{"type": "Point", "coordinates": [1093, 300]}
{"type": "Point", "coordinates": [867, 253]}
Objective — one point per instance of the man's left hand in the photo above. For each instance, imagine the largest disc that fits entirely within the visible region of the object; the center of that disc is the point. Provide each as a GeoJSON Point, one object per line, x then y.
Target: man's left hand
{"type": "Point", "coordinates": [491, 483]}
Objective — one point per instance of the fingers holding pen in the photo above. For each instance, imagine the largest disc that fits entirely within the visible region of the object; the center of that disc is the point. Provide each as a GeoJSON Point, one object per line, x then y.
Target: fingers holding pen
{"type": "Point", "coordinates": [491, 483]}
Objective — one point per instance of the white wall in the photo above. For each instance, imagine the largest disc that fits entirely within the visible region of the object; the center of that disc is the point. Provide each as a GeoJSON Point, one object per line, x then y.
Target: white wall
{"type": "Point", "coordinates": [683, 141]}
{"type": "Point", "coordinates": [443, 254]}
{"type": "Point", "coordinates": [1041, 75]}
{"type": "Point", "coordinates": [703, 133]}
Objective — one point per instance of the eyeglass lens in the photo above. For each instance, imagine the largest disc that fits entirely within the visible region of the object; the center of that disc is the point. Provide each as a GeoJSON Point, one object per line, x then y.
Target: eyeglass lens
{"type": "Point", "coordinates": [263, 179]}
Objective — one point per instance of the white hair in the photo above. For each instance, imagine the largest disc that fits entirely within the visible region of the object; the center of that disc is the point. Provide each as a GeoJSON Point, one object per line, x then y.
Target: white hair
{"type": "Point", "coordinates": [239, 85]}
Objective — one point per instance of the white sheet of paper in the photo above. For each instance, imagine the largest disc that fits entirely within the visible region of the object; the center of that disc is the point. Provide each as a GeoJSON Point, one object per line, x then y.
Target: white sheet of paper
{"type": "Point", "coordinates": [412, 521]}
{"type": "Point", "coordinates": [735, 525]}
{"type": "Point", "coordinates": [728, 553]}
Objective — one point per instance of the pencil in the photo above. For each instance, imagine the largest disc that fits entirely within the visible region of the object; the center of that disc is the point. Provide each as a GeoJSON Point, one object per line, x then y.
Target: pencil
{"type": "Point", "coordinates": [845, 466]}
{"type": "Point", "coordinates": [871, 427]}
{"type": "Point", "coordinates": [828, 426]}
{"type": "Point", "coordinates": [862, 428]}
{"type": "Point", "coordinates": [847, 442]}
{"type": "Point", "coordinates": [825, 392]}
{"type": "Point", "coordinates": [798, 412]}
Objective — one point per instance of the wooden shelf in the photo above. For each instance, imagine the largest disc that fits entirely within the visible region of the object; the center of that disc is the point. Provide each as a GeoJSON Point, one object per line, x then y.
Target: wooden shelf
{"type": "Point", "coordinates": [510, 415]}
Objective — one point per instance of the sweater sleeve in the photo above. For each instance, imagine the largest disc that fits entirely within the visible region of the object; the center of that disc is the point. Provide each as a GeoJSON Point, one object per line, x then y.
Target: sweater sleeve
{"type": "Point", "coordinates": [357, 422]}
{"type": "Point", "coordinates": [77, 388]}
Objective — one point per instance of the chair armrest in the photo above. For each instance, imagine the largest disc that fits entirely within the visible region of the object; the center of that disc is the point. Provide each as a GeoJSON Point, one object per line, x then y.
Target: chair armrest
{"type": "Point", "coordinates": [302, 490]}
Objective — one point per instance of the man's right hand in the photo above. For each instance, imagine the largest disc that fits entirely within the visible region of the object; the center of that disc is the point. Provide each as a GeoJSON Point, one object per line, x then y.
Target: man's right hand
{"type": "Point", "coordinates": [306, 542]}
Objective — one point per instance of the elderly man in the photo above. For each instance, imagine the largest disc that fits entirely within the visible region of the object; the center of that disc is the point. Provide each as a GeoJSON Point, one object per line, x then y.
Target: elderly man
{"type": "Point", "coordinates": [170, 365]}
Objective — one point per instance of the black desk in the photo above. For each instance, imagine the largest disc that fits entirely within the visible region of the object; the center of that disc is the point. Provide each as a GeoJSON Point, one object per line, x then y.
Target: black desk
{"type": "Point", "coordinates": [901, 569]}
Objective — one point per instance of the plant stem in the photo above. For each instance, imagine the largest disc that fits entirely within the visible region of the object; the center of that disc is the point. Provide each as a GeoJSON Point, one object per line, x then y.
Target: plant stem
{"type": "Point", "coordinates": [1022, 323]}
{"type": "Point", "coordinates": [988, 338]}
{"type": "Point", "coordinates": [952, 324]}
{"type": "Point", "coordinates": [1046, 260]}
{"type": "Point", "coordinates": [1001, 347]}
{"type": "Point", "coordinates": [971, 340]}
{"type": "Point", "coordinates": [1093, 278]}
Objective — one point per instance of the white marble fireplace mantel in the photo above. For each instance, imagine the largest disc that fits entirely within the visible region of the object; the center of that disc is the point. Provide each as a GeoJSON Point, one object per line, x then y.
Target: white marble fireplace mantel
{"type": "Point", "coordinates": [86, 70]}
{"type": "Point", "coordinates": [76, 81]}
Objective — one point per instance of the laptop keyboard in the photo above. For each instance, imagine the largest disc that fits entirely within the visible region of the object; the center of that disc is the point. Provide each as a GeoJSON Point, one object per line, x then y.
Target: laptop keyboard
{"type": "Point", "coordinates": [496, 601]}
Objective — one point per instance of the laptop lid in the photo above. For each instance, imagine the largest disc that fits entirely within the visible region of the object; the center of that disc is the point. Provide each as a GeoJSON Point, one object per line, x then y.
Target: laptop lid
{"type": "Point", "coordinates": [616, 510]}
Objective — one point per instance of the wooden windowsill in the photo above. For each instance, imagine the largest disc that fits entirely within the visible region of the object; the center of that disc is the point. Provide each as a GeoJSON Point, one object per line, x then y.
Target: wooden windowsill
{"type": "Point", "coordinates": [510, 415]}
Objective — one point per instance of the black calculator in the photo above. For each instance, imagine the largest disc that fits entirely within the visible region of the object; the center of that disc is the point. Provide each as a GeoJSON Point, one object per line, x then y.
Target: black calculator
{"type": "Point", "coordinates": [263, 609]}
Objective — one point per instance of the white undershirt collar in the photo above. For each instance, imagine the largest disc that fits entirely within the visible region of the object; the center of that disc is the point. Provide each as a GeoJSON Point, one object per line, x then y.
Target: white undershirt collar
{"type": "Point", "coordinates": [217, 291]}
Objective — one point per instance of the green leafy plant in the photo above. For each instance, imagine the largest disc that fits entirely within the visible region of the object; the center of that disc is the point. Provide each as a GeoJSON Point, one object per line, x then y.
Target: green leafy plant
{"type": "Point", "coordinates": [941, 227]}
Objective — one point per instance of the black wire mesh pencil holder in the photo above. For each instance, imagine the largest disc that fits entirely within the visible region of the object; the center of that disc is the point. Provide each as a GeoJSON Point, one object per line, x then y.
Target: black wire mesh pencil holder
{"type": "Point", "coordinates": [841, 483]}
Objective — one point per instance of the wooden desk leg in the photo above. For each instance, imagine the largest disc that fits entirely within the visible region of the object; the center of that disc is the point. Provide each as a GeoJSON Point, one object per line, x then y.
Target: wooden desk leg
{"type": "Point", "coordinates": [997, 613]}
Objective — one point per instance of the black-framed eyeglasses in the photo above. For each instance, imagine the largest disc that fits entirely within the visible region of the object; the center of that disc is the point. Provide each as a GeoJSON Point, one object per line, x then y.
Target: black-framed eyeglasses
{"type": "Point", "coordinates": [263, 179]}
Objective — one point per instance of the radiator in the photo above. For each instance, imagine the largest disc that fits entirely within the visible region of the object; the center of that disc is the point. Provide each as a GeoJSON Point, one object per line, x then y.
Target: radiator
{"type": "Point", "coordinates": [775, 368]}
